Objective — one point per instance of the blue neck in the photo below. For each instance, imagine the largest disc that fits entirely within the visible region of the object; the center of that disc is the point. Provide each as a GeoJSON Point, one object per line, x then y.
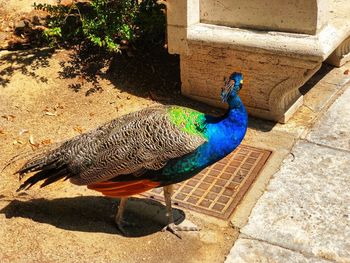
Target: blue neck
{"type": "Point", "coordinates": [224, 135]}
{"type": "Point", "coordinates": [236, 112]}
{"type": "Point", "coordinates": [234, 102]}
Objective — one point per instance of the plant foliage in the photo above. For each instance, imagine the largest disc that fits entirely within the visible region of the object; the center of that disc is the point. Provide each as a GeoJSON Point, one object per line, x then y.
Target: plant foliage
{"type": "Point", "coordinates": [110, 24]}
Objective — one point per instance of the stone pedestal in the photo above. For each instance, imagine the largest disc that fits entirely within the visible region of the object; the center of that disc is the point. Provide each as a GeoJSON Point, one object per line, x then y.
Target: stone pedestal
{"type": "Point", "coordinates": [278, 45]}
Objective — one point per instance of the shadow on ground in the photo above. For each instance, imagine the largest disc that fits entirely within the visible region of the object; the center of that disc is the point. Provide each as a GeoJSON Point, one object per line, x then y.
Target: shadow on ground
{"type": "Point", "coordinates": [319, 75]}
{"type": "Point", "coordinates": [150, 73]}
{"type": "Point", "coordinates": [85, 67]}
{"type": "Point", "coordinates": [93, 214]}
{"type": "Point", "coordinates": [25, 62]}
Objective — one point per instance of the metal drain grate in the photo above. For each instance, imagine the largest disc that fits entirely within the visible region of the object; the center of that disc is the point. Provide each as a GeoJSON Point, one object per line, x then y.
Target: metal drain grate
{"type": "Point", "coordinates": [218, 189]}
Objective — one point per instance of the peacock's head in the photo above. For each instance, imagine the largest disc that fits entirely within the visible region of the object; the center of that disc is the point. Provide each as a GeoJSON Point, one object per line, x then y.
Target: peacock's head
{"type": "Point", "coordinates": [232, 86]}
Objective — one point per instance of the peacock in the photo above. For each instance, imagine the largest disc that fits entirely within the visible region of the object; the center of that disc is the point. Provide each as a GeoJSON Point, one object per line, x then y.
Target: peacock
{"type": "Point", "coordinates": [154, 147]}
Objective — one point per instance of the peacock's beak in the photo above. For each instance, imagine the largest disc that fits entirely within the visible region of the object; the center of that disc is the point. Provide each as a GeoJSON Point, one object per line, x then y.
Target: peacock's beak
{"type": "Point", "coordinates": [226, 90]}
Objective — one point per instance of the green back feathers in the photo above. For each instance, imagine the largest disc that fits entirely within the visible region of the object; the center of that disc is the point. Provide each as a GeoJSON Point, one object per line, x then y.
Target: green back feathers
{"type": "Point", "coordinates": [188, 120]}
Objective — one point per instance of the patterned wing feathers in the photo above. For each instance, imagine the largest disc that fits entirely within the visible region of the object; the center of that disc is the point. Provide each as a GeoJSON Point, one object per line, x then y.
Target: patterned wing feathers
{"type": "Point", "coordinates": [146, 142]}
{"type": "Point", "coordinates": [133, 143]}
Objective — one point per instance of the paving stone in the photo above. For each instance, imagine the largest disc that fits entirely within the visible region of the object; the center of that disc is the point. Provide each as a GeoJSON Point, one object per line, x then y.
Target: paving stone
{"type": "Point", "coordinates": [320, 95]}
{"type": "Point", "coordinates": [254, 251]}
{"type": "Point", "coordinates": [333, 129]}
{"type": "Point", "coordinates": [306, 205]}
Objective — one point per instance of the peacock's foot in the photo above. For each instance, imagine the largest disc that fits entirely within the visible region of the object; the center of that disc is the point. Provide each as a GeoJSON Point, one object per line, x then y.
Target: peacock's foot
{"type": "Point", "coordinates": [172, 228]}
{"type": "Point", "coordinates": [121, 225]}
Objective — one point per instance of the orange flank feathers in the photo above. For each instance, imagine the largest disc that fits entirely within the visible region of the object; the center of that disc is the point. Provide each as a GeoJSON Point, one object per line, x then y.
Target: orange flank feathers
{"type": "Point", "coordinates": [123, 189]}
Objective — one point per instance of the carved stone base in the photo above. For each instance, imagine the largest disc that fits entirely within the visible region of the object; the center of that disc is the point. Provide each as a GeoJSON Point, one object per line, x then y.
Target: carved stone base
{"type": "Point", "coordinates": [271, 82]}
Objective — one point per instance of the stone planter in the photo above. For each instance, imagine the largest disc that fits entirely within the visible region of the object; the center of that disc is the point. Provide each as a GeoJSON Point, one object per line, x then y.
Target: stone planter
{"type": "Point", "coordinates": [285, 45]}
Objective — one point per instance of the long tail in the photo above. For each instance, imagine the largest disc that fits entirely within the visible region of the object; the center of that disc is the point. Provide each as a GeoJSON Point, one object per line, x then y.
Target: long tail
{"type": "Point", "coordinates": [49, 167]}
{"type": "Point", "coordinates": [29, 153]}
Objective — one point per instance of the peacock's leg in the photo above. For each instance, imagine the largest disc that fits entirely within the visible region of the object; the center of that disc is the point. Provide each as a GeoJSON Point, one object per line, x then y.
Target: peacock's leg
{"type": "Point", "coordinates": [119, 216]}
{"type": "Point", "coordinates": [168, 191]}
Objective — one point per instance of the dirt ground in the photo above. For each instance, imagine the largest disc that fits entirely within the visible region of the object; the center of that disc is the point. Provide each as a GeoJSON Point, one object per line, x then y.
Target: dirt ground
{"type": "Point", "coordinates": [49, 96]}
